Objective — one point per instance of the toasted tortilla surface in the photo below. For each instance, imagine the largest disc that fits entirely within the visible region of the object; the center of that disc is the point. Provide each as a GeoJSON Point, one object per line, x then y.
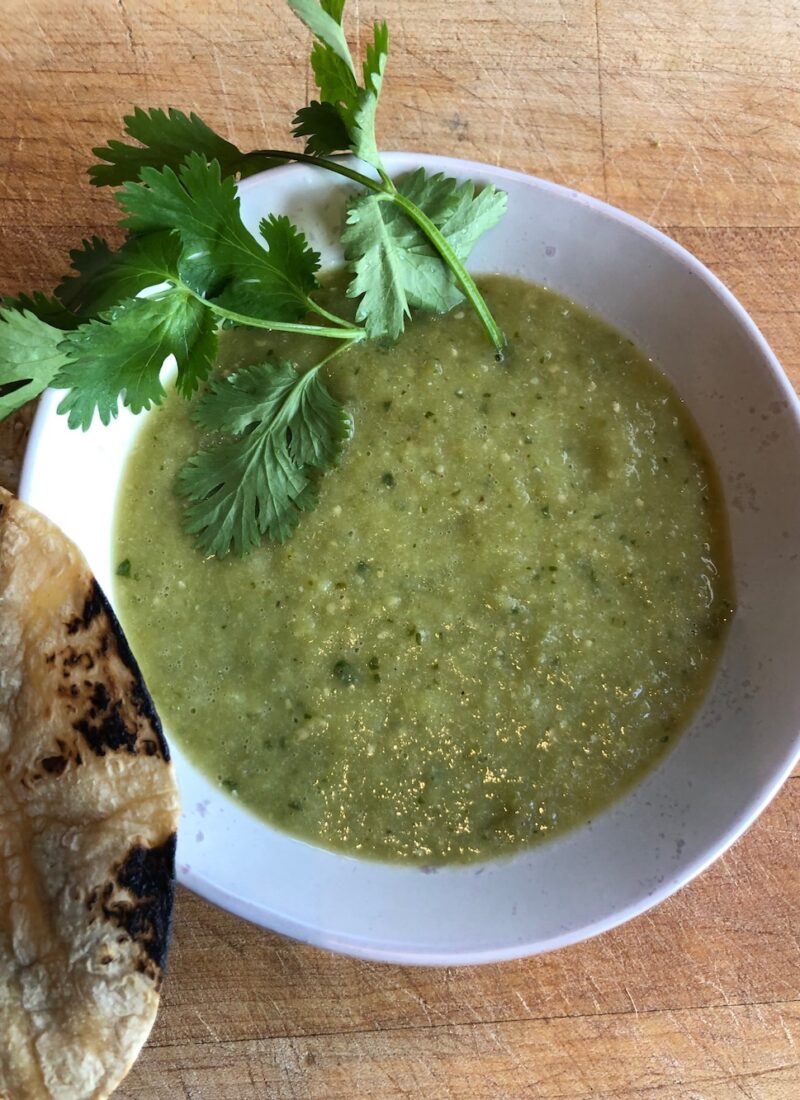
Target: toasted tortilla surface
{"type": "Point", "coordinates": [88, 813]}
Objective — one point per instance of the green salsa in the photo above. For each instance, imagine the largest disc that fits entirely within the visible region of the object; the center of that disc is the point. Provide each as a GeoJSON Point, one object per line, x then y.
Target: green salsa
{"type": "Point", "coordinates": [504, 610]}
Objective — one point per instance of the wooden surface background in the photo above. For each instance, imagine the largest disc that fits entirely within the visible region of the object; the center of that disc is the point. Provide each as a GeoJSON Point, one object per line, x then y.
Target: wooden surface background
{"type": "Point", "coordinates": [684, 112]}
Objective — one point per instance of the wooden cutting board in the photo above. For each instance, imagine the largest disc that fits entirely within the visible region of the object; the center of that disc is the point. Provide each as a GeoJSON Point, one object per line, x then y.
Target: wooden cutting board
{"type": "Point", "coordinates": [684, 113]}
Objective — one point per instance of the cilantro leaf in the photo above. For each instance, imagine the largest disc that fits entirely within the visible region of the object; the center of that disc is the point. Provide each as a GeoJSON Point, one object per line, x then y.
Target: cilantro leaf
{"type": "Point", "coordinates": [362, 127]}
{"type": "Point", "coordinates": [335, 79]}
{"type": "Point", "coordinates": [284, 426]}
{"type": "Point", "coordinates": [376, 243]}
{"type": "Point", "coordinates": [324, 20]}
{"type": "Point", "coordinates": [122, 353]}
{"type": "Point", "coordinates": [326, 124]}
{"type": "Point", "coordinates": [334, 8]}
{"type": "Point", "coordinates": [345, 119]}
{"type": "Point", "coordinates": [90, 263]}
{"type": "Point", "coordinates": [396, 268]}
{"type": "Point", "coordinates": [103, 277]}
{"type": "Point", "coordinates": [320, 425]}
{"type": "Point", "coordinates": [30, 357]}
{"type": "Point", "coordinates": [461, 215]}
{"type": "Point", "coordinates": [167, 138]}
{"type": "Point", "coordinates": [324, 128]}
{"type": "Point", "coordinates": [46, 309]}
{"type": "Point", "coordinates": [277, 284]}
{"type": "Point", "coordinates": [220, 256]}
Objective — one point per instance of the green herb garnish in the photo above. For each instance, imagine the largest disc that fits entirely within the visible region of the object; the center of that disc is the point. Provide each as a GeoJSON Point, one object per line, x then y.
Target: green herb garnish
{"type": "Point", "coordinates": [279, 427]}
{"type": "Point", "coordinates": [406, 242]}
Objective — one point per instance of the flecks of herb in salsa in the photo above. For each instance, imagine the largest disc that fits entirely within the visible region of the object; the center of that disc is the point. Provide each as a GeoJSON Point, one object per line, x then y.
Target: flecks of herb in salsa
{"type": "Point", "coordinates": [345, 672]}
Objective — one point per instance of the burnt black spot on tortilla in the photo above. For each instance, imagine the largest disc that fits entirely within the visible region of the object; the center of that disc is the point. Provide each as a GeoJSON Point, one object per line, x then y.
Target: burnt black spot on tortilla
{"type": "Point", "coordinates": [54, 765]}
{"type": "Point", "coordinates": [103, 725]}
{"type": "Point", "coordinates": [148, 874]}
{"type": "Point", "coordinates": [100, 697]}
{"type": "Point", "coordinates": [110, 731]}
{"type": "Point", "coordinates": [140, 696]}
{"type": "Point", "coordinates": [93, 605]}
{"type": "Point", "coordinates": [51, 659]}
{"type": "Point", "coordinates": [73, 657]}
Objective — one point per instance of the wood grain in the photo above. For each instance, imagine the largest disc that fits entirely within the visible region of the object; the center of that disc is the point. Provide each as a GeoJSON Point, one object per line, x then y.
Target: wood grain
{"type": "Point", "coordinates": [687, 114]}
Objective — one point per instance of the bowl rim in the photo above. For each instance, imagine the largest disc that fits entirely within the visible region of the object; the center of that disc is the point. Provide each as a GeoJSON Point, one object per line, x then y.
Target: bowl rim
{"type": "Point", "coordinates": [376, 949]}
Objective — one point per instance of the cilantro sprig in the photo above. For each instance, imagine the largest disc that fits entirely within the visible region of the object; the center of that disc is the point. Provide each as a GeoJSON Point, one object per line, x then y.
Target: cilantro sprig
{"type": "Point", "coordinates": [279, 427]}
{"type": "Point", "coordinates": [189, 266]}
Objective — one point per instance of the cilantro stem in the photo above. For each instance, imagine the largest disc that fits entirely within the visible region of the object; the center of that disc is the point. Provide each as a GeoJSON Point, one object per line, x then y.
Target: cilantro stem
{"type": "Point", "coordinates": [342, 348]}
{"type": "Point", "coordinates": [464, 279]}
{"type": "Point", "coordinates": [351, 333]}
{"type": "Point", "coordinates": [333, 317]}
{"type": "Point", "coordinates": [435, 236]}
{"type": "Point", "coordinates": [287, 155]}
{"type": "Point", "coordinates": [388, 182]}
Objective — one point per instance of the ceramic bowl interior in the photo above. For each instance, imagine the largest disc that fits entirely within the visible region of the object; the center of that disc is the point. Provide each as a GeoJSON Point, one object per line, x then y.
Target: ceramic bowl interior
{"type": "Point", "coordinates": [744, 740]}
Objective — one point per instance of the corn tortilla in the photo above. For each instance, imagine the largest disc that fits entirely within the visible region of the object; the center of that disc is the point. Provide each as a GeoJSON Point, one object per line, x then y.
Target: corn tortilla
{"type": "Point", "coordinates": [88, 813]}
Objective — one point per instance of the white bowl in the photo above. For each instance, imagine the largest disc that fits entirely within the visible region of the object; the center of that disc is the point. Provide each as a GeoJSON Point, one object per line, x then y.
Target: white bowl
{"type": "Point", "coordinates": [744, 740]}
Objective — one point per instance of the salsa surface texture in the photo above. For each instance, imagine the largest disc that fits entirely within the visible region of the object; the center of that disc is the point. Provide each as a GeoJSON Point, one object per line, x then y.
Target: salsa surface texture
{"type": "Point", "coordinates": [506, 607]}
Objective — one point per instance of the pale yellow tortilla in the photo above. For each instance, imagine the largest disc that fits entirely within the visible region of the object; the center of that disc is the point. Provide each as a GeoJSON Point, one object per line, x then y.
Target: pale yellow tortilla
{"type": "Point", "coordinates": [88, 812]}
